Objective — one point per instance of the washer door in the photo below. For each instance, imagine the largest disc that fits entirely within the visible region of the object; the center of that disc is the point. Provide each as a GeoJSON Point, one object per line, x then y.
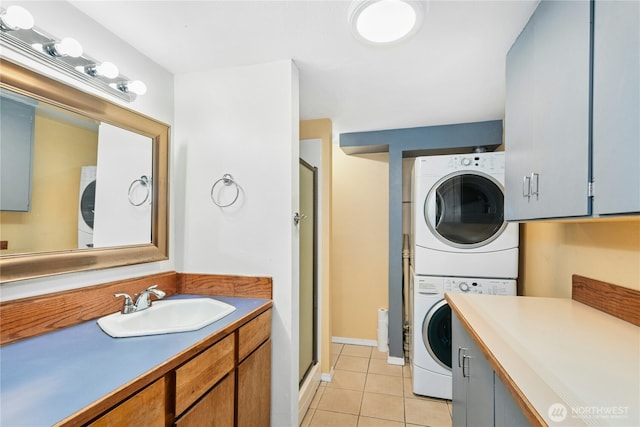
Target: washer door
{"type": "Point", "coordinates": [466, 209]}
{"type": "Point", "coordinates": [436, 333]}
{"type": "Point", "coordinates": [88, 203]}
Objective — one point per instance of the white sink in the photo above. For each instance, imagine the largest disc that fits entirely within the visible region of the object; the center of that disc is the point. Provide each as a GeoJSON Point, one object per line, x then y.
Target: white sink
{"type": "Point", "coordinates": [166, 317]}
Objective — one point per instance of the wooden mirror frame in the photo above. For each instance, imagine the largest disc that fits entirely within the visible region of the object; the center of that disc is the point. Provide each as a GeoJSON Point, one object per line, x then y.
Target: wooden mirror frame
{"type": "Point", "coordinates": [14, 267]}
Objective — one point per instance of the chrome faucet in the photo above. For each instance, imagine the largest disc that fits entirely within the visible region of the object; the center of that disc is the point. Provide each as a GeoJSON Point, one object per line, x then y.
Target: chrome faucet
{"type": "Point", "coordinates": [142, 302]}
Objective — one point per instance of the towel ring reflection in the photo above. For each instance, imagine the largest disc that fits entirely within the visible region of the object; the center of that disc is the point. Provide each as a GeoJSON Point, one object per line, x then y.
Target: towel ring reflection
{"type": "Point", "coordinates": [227, 180]}
{"type": "Point", "coordinates": [144, 181]}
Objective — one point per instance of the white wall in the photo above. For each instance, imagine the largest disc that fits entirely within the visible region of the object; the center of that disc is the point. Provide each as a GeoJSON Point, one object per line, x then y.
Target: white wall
{"type": "Point", "coordinates": [244, 121]}
{"type": "Point", "coordinates": [62, 19]}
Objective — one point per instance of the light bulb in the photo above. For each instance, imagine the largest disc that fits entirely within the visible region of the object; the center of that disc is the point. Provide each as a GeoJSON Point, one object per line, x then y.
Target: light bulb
{"type": "Point", "coordinates": [107, 69]}
{"type": "Point", "coordinates": [16, 18]}
{"type": "Point", "coordinates": [137, 87]}
{"type": "Point", "coordinates": [68, 47]}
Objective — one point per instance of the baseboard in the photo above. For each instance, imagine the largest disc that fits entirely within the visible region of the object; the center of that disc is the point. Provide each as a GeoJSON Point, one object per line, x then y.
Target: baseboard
{"type": "Point", "coordinates": [327, 377]}
{"type": "Point", "coordinates": [354, 341]}
{"type": "Point", "coordinates": [395, 361]}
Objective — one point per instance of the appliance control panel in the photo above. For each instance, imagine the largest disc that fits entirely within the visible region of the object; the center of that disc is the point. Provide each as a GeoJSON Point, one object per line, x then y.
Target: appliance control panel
{"type": "Point", "coordinates": [432, 285]}
{"type": "Point", "coordinates": [491, 163]}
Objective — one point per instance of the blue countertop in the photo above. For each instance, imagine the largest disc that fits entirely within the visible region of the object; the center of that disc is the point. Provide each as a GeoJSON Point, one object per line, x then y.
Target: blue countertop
{"type": "Point", "coordinates": [47, 378]}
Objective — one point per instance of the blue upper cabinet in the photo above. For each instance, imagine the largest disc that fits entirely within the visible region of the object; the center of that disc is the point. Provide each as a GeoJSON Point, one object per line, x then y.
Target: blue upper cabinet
{"type": "Point", "coordinates": [616, 107]}
{"type": "Point", "coordinates": [547, 114]}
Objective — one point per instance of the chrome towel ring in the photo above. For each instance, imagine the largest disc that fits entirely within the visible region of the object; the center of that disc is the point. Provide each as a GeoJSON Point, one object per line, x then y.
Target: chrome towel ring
{"type": "Point", "coordinates": [144, 181]}
{"type": "Point", "coordinates": [227, 180]}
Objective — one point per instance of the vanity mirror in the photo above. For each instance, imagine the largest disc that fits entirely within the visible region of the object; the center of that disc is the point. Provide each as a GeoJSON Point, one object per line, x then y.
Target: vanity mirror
{"type": "Point", "coordinates": [92, 199]}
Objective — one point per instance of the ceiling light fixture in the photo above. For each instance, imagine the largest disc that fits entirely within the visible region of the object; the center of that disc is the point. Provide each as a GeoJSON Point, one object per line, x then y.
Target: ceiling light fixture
{"type": "Point", "coordinates": [383, 22]}
{"type": "Point", "coordinates": [18, 34]}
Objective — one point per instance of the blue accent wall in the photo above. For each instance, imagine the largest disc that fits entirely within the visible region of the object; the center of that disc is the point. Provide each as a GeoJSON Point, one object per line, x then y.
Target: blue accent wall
{"type": "Point", "coordinates": [410, 142]}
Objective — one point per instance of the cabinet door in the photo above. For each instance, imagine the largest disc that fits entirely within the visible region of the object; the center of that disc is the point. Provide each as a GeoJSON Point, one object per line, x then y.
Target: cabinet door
{"type": "Point", "coordinates": [472, 380]}
{"type": "Point", "coordinates": [520, 154]}
{"type": "Point", "coordinates": [254, 388]}
{"type": "Point", "coordinates": [479, 387]}
{"type": "Point", "coordinates": [616, 107]}
{"type": "Point", "coordinates": [215, 409]}
{"type": "Point", "coordinates": [548, 75]}
{"type": "Point", "coordinates": [507, 411]}
{"type": "Point", "coordinates": [459, 349]}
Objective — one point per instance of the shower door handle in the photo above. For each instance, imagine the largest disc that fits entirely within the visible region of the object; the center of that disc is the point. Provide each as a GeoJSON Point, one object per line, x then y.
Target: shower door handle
{"type": "Point", "coordinates": [297, 217]}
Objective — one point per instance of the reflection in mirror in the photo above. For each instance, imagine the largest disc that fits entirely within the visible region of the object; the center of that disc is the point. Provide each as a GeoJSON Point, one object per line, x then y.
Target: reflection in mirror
{"type": "Point", "coordinates": [84, 181]}
{"type": "Point", "coordinates": [66, 180]}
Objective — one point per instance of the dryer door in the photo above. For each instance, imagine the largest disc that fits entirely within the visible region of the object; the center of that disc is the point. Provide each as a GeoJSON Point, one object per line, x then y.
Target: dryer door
{"type": "Point", "coordinates": [87, 204]}
{"type": "Point", "coordinates": [466, 209]}
{"type": "Point", "coordinates": [436, 333]}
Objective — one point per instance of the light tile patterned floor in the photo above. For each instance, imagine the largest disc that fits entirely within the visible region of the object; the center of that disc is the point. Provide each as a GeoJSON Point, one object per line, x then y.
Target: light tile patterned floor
{"type": "Point", "coordinates": [368, 392]}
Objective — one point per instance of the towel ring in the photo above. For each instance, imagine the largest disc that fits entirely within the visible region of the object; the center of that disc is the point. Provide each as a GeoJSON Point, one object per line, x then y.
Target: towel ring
{"type": "Point", "coordinates": [227, 180]}
{"type": "Point", "coordinates": [145, 181]}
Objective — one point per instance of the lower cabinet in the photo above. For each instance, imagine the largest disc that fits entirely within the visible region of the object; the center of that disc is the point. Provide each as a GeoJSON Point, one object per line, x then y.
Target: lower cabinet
{"type": "Point", "coordinates": [254, 388]}
{"type": "Point", "coordinates": [479, 397]}
{"type": "Point", "coordinates": [227, 384]}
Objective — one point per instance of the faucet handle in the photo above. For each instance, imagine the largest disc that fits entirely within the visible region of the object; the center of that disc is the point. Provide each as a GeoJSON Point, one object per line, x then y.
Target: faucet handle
{"type": "Point", "coordinates": [128, 303]}
{"type": "Point", "coordinates": [155, 291]}
{"type": "Point", "coordinates": [144, 298]}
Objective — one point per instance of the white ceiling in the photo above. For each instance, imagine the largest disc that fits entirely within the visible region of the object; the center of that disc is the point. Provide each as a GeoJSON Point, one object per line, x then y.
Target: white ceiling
{"type": "Point", "coordinates": [451, 71]}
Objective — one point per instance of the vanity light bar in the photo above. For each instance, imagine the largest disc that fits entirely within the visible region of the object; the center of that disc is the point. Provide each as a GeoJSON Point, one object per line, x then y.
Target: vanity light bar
{"type": "Point", "coordinates": [64, 55]}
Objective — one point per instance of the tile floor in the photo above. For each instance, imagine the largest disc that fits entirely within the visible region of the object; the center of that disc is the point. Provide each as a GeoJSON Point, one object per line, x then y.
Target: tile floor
{"type": "Point", "coordinates": [368, 392]}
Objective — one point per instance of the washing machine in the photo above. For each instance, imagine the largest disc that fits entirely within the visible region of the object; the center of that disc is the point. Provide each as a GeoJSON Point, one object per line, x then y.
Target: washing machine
{"type": "Point", "coordinates": [430, 350]}
{"type": "Point", "coordinates": [457, 223]}
{"type": "Point", "coordinates": [86, 206]}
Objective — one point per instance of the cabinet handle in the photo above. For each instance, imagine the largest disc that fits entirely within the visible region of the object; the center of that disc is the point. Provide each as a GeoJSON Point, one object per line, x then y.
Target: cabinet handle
{"type": "Point", "coordinates": [465, 365]}
{"type": "Point", "coordinates": [460, 350]}
{"type": "Point", "coordinates": [526, 187]}
{"type": "Point", "coordinates": [535, 177]}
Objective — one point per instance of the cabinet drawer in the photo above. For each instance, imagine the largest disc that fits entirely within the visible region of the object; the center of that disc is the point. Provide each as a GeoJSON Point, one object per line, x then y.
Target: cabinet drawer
{"type": "Point", "coordinates": [146, 408]}
{"type": "Point", "coordinates": [197, 376]}
{"type": "Point", "coordinates": [254, 333]}
{"type": "Point", "coordinates": [215, 409]}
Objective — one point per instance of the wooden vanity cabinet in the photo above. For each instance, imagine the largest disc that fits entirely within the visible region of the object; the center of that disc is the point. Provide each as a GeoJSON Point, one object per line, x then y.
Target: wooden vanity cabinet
{"type": "Point", "coordinates": [227, 384]}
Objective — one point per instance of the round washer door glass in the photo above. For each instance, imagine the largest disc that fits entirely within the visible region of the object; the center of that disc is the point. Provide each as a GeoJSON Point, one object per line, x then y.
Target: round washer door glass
{"type": "Point", "coordinates": [466, 210]}
{"type": "Point", "coordinates": [436, 333]}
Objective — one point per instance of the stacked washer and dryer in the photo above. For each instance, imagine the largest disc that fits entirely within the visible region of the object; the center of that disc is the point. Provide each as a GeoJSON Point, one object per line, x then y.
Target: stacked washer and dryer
{"type": "Point", "coordinates": [460, 243]}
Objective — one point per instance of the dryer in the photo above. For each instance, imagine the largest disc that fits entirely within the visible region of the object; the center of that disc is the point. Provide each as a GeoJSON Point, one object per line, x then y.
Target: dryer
{"type": "Point", "coordinates": [86, 206]}
{"type": "Point", "coordinates": [457, 223]}
{"type": "Point", "coordinates": [430, 349]}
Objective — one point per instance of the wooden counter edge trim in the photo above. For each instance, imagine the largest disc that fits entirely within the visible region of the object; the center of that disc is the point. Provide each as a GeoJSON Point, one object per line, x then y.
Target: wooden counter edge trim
{"type": "Point", "coordinates": [623, 303]}
{"type": "Point", "coordinates": [225, 286]}
{"type": "Point", "coordinates": [32, 316]}
{"type": "Point", "coordinates": [525, 405]}
{"type": "Point", "coordinates": [112, 399]}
